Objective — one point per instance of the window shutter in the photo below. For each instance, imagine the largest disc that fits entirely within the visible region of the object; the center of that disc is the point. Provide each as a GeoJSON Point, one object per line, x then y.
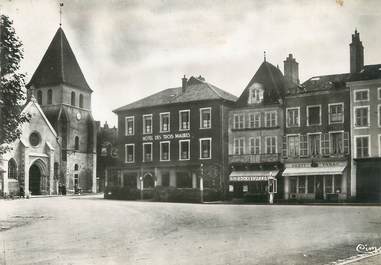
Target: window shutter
{"type": "Point", "coordinates": [303, 145]}
{"type": "Point", "coordinates": [325, 144]}
{"type": "Point", "coordinates": [284, 148]}
{"type": "Point", "coordinates": [346, 143]}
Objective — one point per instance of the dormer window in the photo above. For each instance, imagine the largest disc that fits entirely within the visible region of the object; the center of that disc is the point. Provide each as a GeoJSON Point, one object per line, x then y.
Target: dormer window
{"type": "Point", "coordinates": [255, 94]}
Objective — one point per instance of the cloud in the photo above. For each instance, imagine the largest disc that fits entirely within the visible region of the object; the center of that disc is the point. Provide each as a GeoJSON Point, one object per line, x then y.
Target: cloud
{"type": "Point", "coordinates": [130, 49]}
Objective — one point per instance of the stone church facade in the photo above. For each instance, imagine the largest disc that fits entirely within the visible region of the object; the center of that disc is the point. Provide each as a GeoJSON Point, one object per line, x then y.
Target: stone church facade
{"type": "Point", "coordinates": [34, 161]}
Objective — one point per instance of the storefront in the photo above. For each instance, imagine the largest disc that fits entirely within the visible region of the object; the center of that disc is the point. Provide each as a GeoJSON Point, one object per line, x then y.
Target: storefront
{"type": "Point", "coordinates": [316, 180]}
{"type": "Point", "coordinates": [253, 185]}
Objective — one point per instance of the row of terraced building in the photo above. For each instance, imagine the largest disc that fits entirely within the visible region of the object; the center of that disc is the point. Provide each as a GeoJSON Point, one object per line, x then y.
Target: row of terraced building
{"type": "Point", "coordinates": [320, 139]}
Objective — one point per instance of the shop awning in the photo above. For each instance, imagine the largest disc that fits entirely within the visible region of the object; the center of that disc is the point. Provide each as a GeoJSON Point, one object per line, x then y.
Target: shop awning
{"type": "Point", "coordinates": [313, 171]}
{"type": "Point", "coordinates": [261, 175]}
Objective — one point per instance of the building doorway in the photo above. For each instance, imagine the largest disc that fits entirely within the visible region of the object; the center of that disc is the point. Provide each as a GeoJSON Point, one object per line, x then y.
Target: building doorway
{"type": "Point", "coordinates": [35, 180]}
{"type": "Point", "coordinates": [319, 195]}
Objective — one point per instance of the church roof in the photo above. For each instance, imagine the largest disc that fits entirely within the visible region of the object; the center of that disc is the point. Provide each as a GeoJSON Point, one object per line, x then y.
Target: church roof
{"type": "Point", "coordinates": [197, 89]}
{"type": "Point", "coordinates": [59, 66]}
{"type": "Point", "coordinates": [272, 80]}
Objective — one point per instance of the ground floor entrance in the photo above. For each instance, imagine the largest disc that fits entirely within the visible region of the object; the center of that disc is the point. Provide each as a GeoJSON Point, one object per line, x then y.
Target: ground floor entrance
{"type": "Point", "coordinates": [35, 180]}
{"type": "Point", "coordinates": [368, 178]}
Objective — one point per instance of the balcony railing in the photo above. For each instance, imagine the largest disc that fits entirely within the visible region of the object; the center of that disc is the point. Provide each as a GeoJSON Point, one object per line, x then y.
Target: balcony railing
{"type": "Point", "coordinates": [253, 159]}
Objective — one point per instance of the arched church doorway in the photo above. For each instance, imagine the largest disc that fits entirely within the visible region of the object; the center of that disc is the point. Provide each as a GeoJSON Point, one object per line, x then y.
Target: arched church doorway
{"type": "Point", "coordinates": [35, 180]}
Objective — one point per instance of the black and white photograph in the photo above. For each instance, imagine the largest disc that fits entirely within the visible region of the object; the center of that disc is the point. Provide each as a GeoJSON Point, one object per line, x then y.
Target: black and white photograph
{"type": "Point", "coordinates": [182, 132]}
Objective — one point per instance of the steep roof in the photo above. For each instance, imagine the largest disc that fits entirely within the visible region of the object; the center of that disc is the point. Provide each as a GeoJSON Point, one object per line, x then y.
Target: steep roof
{"type": "Point", "coordinates": [337, 81]}
{"type": "Point", "coordinates": [325, 82]}
{"type": "Point", "coordinates": [197, 89]}
{"type": "Point", "coordinates": [59, 66]}
{"type": "Point", "coordinates": [272, 80]}
{"type": "Point", "coordinates": [369, 72]}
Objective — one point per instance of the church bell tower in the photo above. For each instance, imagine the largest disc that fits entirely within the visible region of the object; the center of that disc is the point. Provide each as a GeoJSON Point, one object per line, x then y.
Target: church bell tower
{"type": "Point", "coordinates": [64, 95]}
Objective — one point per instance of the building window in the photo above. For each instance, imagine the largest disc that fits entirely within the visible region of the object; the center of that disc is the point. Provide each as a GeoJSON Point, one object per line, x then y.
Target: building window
{"type": "Point", "coordinates": [293, 117]}
{"type": "Point", "coordinates": [73, 98]}
{"type": "Point", "coordinates": [336, 113]}
{"type": "Point", "coordinates": [379, 145]}
{"type": "Point", "coordinates": [362, 146]}
{"type": "Point", "coordinates": [293, 145]}
{"type": "Point", "coordinates": [379, 115]}
{"type": "Point", "coordinates": [205, 118]}
{"type": "Point", "coordinates": [165, 122]}
{"type": "Point", "coordinates": [184, 119]}
{"type": "Point", "coordinates": [183, 180]}
{"type": "Point", "coordinates": [255, 120]}
{"type": "Point", "coordinates": [336, 143]}
{"type": "Point", "coordinates": [328, 184]}
{"type": "Point", "coordinates": [76, 180]}
{"type": "Point", "coordinates": [271, 145]}
{"type": "Point", "coordinates": [239, 144]}
{"type": "Point", "coordinates": [80, 100]}
{"type": "Point", "coordinates": [293, 182]}
{"type": "Point", "coordinates": [147, 124]}
{"type": "Point", "coordinates": [302, 184]}
{"type": "Point", "coordinates": [255, 145]}
{"type": "Point", "coordinates": [147, 152]}
{"type": "Point", "coordinates": [76, 167]}
{"type": "Point", "coordinates": [130, 125]}
{"type": "Point", "coordinates": [379, 93]}
{"type": "Point", "coordinates": [313, 115]}
{"type": "Point", "coordinates": [314, 144]}
{"type": "Point", "coordinates": [205, 148]}
{"type": "Point", "coordinates": [164, 151]}
{"type": "Point", "coordinates": [337, 182]}
{"type": "Point", "coordinates": [39, 97]}
{"type": "Point", "coordinates": [362, 116]}
{"type": "Point", "coordinates": [270, 119]}
{"type": "Point", "coordinates": [12, 169]}
{"type": "Point", "coordinates": [76, 143]}
{"type": "Point", "coordinates": [184, 146]}
{"type": "Point", "coordinates": [361, 95]}
{"type": "Point", "coordinates": [239, 121]}
{"type": "Point", "coordinates": [311, 184]}
{"type": "Point", "coordinates": [50, 96]}
{"type": "Point", "coordinates": [130, 153]}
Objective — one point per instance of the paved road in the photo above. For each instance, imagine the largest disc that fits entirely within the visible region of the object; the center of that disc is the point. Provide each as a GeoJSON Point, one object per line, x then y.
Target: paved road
{"type": "Point", "coordinates": [90, 230]}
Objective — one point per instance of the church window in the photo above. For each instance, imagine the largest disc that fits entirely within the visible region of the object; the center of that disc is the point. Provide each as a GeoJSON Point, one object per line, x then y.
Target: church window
{"type": "Point", "coordinates": [55, 170]}
{"type": "Point", "coordinates": [12, 169]}
{"type": "Point", "coordinates": [39, 97]}
{"type": "Point", "coordinates": [50, 96]}
{"type": "Point", "coordinates": [76, 143]}
{"type": "Point", "coordinates": [73, 98]}
{"type": "Point", "coordinates": [80, 100]}
{"type": "Point", "coordinates": [34, 138]}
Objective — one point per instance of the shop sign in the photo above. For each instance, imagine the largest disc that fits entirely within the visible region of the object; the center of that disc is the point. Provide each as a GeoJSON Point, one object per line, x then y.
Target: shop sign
{"type": "Point", "coordinates": [316, 164]}
{"type": "Point", "coordinates": [248, 178]}
{"type": "Point", "coordinates": [159, 137]}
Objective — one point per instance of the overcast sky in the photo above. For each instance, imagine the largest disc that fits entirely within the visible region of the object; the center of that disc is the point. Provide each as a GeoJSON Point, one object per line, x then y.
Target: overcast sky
{"type": "Point", "coordinates": [130, 49]}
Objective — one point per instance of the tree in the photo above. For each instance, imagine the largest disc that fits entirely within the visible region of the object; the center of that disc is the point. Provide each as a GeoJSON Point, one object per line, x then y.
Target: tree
{"type": "Point", "coordinates": [12, 85]}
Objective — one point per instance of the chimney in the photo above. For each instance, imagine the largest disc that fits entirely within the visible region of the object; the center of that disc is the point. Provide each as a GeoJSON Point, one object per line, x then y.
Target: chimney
{"type": "Point", "coordinates": [184, 84]}
{"type": "Point", "coordinates": [356, 51]}
{"type": "Point", "coordinates": [291, 69]}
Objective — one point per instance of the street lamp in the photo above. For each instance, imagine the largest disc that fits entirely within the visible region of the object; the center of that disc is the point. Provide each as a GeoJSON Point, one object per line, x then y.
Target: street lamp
{"type": "Point", "coordinates": [202, 182]}
{"type": "Point", "coordinates": [141, 187]}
